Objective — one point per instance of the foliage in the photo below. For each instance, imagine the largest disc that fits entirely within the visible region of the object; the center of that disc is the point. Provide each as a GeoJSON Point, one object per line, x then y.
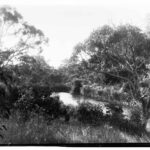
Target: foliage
{"type": "Point", "coordinates": [25, 104]}
{"type": "Point", "coordinates": [114, 116]}
{"type": "Point", "coordinates": [115, 50]}
{"type": "Point", "coordinates": [60, 88]}
{"type": "Point", "coordinates": [106, 93]}
{"type": "Point", "coordinates": [136, 116]}
{"type": "Point", "coordinates": [25, 36]}
{"type": "Point", "coordinates": [38, 100]}
{"type": "Point", "coordinates": [115, 55]}
{"type": "Point", "coordinates": [87, 113]}
{"type": "Point", "coordinates": [51, 106]}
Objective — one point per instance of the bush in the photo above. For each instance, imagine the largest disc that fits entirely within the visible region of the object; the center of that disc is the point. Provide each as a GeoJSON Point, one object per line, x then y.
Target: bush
{"type": "Point", "coordinates": [54, 108]}
{"type": "Point", "coordinates": [40, 91]}
{"type": "Point", "coordinates": [136, 117]}
{"type": "Point", "coordinates": [14, 95]}
{"type": "Point", "coordinates": [60, 88]}
{"type": "Point", "coordinates": [115, 109]}
{"type": "Point", "coordinates": [25, 104]}
{"type": "Point", "coordinates": [37, 98]}
{"type": "Point", "coordinates": [131, 125]}
{"type": "Point", "coordinates": [89, 91]}
{"type": "Point", "coordinates": [95, 91]}
{"type": "Point", "coordinates": [50, 105]}
{"type": "Point", "coordinates": [89, 113]}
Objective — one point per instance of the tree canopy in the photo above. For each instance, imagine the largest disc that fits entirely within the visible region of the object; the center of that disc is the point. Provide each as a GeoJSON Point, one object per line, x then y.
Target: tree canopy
{"type": "Point", "coordinates": [17, 36]}
{"type": "Point", "coordinates": [116, 49]}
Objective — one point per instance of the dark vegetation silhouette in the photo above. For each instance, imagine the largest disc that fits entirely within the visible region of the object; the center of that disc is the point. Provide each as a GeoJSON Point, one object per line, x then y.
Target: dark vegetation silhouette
{"type": "Point", "coordinates": [76, 88]}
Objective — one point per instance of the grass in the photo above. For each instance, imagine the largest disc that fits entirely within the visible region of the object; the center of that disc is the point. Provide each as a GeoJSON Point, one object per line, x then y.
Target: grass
{"type": "Point", "coordinates": [37, 131]}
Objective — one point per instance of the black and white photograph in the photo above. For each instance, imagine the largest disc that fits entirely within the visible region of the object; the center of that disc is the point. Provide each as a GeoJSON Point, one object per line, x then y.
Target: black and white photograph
{"type": "Point", "coordinates": [75, 73]}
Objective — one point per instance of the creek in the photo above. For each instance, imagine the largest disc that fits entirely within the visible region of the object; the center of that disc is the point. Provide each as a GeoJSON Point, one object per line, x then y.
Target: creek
{"type": "Point", "coordinates": [75, 100]}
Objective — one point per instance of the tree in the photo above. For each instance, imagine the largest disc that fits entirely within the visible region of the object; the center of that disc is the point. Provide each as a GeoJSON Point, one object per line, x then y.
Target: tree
{"type": "Point", "coordinates": [112, 51]}
{"type": "Point", "coordinates": [32, 70]}
{"type": "Point", "coordinates": [17, 36]}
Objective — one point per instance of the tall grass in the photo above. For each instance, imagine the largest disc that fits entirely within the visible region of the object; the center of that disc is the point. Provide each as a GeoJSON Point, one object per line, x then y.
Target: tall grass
{"type": "Point", "coordinates": [37, 131]}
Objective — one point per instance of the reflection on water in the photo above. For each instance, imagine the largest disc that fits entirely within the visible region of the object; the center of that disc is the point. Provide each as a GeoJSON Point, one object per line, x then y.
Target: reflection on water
{"type": "Point", "coordinates": [74, 100]}
{"type": "Point", "coordinates": [69, 99]}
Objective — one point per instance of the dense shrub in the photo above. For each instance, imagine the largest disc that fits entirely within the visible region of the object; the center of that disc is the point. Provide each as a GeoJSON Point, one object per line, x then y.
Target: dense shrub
{"type": "Point", "coordinates": [89, 91]}
{"type": "Point", "coordinates": [25, 104]}
{"type": "Point", "coordinates": [89, 113]}
{"type": "Point", "coordinates": [37, 98]}
{"type": "Point", "coordinates": [95, 91]}
{"type": "Point", "coordinates": [54, 108]}
{"type": "Point", "coordinates": [105, 93]}
{"type": "Point", "coordinates": [115, 109]}
{"type": "Point", "coordinates": [51, 106]}
{"type": "Point", "coordinates": [131, 124]}
{"type": "Point", "coordinates": [60, 88]}
{"type": "Point", "coordinates": [4, 100]}
{"type": "Point", "coordinates": [136, 117]}
{"type": "Point", "coordinates": [14, 95]}
{"type": "Point", "coordinates": [40, 91]}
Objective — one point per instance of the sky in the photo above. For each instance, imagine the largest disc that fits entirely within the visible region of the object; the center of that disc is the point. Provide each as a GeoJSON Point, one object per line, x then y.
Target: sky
{"type": "Point", "coordinates": [68, 22]}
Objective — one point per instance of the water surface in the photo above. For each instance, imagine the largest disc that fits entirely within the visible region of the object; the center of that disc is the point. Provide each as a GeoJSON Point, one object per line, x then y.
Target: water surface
{"type": "Point", "coordinates": [75, 100]}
